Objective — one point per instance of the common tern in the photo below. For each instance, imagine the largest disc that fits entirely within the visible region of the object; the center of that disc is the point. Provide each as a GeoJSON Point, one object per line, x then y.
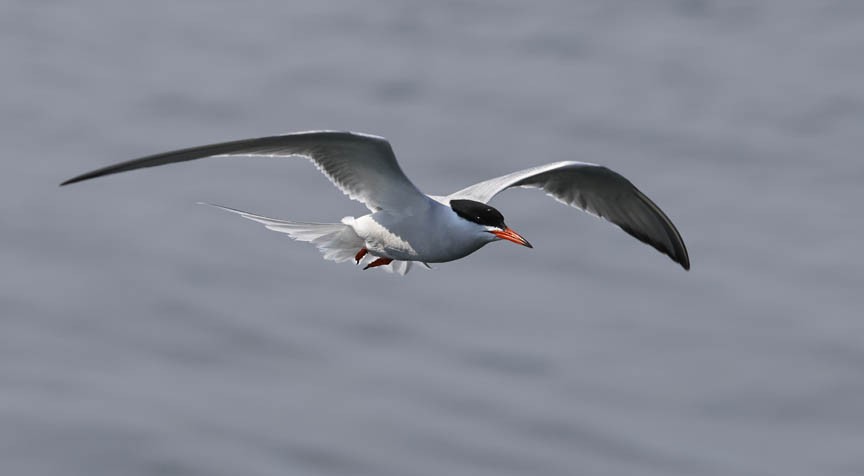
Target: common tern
{"type": "Point", "coordinates": [406, 225]}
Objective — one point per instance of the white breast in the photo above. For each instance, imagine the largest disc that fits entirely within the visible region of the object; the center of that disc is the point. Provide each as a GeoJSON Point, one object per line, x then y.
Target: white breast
{"type": "Point", "coordinates": [434, 234]}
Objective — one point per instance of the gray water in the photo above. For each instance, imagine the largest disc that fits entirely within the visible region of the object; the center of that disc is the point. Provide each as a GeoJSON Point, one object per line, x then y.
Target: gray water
{"type": "Point", "coordinates": [141, 334]}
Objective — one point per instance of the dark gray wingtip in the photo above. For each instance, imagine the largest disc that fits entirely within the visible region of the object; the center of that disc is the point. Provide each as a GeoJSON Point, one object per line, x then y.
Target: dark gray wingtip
{"type": "Point", "coordinates": [111, 169]}
{"type": "Point", "coordinates": [73, 180]}
{"type": "Point", "coordinates": [90, 175]}
{"type": "Point", "coordinates": [679, 256]}
{"type": "Point", "coordinates": [677, 253]}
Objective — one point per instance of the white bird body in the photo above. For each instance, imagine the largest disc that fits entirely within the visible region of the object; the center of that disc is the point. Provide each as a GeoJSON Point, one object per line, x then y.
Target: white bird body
{"type": "Point", "coordinates": [405, 225]}
{"type": "Point", "coordinates": [431, 233]}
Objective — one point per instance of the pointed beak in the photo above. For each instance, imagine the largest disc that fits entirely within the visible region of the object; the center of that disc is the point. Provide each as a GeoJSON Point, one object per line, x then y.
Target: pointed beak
{"type": "Point", "coordinates": [510, 235]}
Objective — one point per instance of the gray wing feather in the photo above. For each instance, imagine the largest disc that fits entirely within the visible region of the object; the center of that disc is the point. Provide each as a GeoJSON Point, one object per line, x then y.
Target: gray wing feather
{"type": "Point", "coordinates": [362, 166]}
{"type": "Point", "coordinates": [598, 191]}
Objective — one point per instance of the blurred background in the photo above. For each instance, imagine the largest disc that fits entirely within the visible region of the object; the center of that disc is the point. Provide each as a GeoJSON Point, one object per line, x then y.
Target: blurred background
{"type": "Point", "coordinates": [141, 334]}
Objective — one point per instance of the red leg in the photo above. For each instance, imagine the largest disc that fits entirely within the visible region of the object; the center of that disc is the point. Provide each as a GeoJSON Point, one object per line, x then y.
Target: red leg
{"type": "Point", "coordinates": [378, 262]}
{"type": "Point", "coordinates": [360, 254]}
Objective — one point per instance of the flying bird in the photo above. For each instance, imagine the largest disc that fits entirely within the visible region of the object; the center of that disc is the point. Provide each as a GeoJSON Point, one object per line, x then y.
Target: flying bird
{"type": "Point", "coordinates": [406, 225]}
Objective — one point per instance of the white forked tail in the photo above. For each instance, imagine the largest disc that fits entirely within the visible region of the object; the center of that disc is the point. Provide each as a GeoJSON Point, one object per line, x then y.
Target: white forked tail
{"type": "Point", "coordinates": [336, 241]}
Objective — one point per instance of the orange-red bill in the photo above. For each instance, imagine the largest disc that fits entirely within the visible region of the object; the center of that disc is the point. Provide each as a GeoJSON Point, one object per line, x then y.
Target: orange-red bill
{"type": "Point", "coordinates": [510, 235]}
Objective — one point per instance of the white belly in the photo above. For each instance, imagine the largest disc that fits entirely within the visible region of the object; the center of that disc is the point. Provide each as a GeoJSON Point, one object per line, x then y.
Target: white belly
{"type": "Point", "coordinates": [433, 235]}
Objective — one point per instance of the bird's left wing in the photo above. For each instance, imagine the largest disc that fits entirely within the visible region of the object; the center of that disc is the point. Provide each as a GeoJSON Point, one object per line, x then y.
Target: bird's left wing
{"type": "Point", "coordinates": [598, 191]}
{"type": "Point", "coordinates": [362, 166]}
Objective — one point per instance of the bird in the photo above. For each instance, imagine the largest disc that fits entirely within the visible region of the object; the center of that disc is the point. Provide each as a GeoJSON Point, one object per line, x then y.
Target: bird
{"type": "Point", "coordinates": [406, 226]}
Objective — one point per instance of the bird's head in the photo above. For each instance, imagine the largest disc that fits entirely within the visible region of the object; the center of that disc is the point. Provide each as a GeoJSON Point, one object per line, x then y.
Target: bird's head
{"type": "Point", "coordinates": [488, 221]}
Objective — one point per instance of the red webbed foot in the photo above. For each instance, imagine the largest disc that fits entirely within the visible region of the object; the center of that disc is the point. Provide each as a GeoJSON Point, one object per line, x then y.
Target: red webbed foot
{"type": "Point", "coordinates": [360, 254]}
{"type": "Point", "coordinates": [378, 262]}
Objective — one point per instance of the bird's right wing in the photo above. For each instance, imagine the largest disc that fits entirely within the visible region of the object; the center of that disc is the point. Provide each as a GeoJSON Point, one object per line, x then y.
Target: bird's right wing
{"type": "Point", "coordinates": [362, 166]}
{"type": "Point", "coordinates": [598, 191]}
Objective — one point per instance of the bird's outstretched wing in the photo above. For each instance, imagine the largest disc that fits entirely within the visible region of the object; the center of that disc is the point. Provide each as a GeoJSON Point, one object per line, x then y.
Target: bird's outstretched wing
{"type": "Point", "coordinates": [362, 166]}
{"type": "Point", "coordinates": [598, 191]}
